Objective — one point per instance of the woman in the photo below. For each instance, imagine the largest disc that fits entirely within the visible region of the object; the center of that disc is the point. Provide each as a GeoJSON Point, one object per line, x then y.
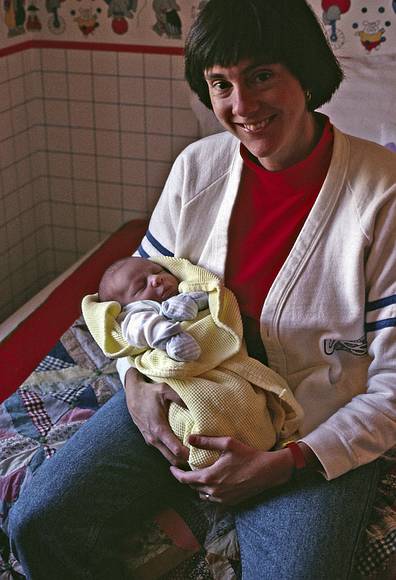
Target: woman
{"type": "Point", "coordinates": [298, 218]}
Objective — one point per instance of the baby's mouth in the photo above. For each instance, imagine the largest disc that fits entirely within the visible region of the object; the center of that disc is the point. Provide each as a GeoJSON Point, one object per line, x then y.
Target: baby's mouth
{"type": "Point", "coordinates": [165, 293]}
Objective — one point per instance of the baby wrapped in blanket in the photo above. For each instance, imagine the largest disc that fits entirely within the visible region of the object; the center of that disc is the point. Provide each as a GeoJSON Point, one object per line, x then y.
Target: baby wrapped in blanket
{"type": "Point", "coordinates": [226, 392]}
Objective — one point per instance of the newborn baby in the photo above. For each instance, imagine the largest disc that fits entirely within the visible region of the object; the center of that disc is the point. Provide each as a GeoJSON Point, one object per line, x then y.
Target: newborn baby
{"type": "Point", "coordinates": [152, 307]}
{"type": "Point", "coordinates": [225, 392]}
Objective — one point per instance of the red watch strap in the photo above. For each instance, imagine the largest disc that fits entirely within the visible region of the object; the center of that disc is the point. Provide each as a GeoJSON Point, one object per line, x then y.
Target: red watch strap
{"type": "Point", "coordinates": [298, 455]}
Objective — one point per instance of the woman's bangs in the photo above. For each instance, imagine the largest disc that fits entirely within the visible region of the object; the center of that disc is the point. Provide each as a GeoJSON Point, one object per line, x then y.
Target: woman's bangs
{"type": "Point", "coordinates": [230, 44]}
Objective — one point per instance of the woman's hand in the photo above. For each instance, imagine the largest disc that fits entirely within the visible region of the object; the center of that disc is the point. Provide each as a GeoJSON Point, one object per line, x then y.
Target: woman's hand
{"type": "Point", "coordinates": [240, 472]}
{"type": "Point", "coordinates": [148, 405]}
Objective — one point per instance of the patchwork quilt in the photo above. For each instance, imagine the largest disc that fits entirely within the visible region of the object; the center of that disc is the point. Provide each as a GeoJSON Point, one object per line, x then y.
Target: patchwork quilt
{"type": "Point", "coordinates": [190, 540]}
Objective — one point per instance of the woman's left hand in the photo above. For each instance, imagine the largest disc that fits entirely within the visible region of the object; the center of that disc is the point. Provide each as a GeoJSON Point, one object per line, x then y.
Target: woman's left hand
{"type": "Point", "coordinates": [240, 472]}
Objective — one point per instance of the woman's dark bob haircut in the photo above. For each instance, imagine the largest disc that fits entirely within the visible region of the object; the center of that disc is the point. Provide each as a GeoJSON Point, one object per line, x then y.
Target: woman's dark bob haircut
{"type": "Point", "coordinates": [266, 31]}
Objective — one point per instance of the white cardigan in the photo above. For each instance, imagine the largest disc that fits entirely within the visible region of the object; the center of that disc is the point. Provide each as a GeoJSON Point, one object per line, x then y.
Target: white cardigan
{"type": "Point", "coordinates": [328, 323]}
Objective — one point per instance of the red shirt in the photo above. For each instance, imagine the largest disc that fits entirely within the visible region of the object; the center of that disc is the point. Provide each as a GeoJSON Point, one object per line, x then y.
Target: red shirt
{"type": "Point", "coordinates": [269, 212]}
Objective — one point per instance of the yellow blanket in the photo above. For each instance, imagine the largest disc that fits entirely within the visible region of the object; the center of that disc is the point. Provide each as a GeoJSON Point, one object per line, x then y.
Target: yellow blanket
{"type": "Point", "coordinates": [225, 391]}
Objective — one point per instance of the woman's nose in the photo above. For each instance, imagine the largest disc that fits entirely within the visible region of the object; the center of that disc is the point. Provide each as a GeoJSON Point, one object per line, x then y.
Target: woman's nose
{"type": "Point", "coordinates": [244, 102]}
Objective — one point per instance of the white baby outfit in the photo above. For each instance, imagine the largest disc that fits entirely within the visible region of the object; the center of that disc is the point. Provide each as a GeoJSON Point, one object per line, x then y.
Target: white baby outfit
{"type": "Point", "coordinates": [148, 323]}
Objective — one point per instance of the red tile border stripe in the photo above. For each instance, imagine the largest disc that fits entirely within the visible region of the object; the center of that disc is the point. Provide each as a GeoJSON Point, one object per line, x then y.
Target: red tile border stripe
{"type": "Point", "coordinates": [99, 46]}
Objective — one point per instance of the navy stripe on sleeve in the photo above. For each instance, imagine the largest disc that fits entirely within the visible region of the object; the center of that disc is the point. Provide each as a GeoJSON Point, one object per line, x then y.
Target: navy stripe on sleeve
{"type": "Point", "coordinates": [154, 242]}
{"type": "Point", "coordinates": [381, 303]}
{"type": "Point", "coordinates": [142, 252]}
{"type": "Point", "coordinates": [380, 324]}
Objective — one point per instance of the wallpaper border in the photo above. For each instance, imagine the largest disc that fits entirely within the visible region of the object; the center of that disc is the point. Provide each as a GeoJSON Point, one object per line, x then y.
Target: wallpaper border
{"type": "Point", "coordinates": [100, 46]}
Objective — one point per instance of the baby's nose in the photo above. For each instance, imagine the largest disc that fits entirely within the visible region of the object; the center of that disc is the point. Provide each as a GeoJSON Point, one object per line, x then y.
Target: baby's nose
{"type": "Point", "coordinates": [155, 280]}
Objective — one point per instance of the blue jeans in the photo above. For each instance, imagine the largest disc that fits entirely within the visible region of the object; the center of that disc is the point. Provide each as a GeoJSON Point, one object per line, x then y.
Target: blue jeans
{"type": "Point", "coordinates": [309, 529]}
{"type": "Point", "coordinates": [105, 480]}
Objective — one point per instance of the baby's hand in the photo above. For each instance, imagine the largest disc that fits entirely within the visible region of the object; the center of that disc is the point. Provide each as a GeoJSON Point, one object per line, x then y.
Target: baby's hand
{"type": "Point", "coordinates": [201, 299]}
{"type": "Point", "coordinates": [182, 347]}
{"type": "Point", "coordinates": [180, 307]}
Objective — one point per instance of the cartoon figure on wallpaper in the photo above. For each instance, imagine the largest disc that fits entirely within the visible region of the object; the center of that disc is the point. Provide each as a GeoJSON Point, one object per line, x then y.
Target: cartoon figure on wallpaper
{"type": "Point", "coordinates": [87, 20]}
{"type": "Point", "coordinates": [371, 36]}
{"type": "Point", "coordinates": [56, 23]}
{"type": "Point", "coordinates": [33, 23]}
{"type": "Point", "coordinates": [168, 21]}
{"type": "Point", "coordinates": [124, 8]}
{"type": "Point", "coordinates": [371, 32]}
{"type": "Point", "coordinates": [119, 11]}
{"type": "Point", "coordinates": [332, 11]}
{"type": "Point", "coordinates": [14, 17]}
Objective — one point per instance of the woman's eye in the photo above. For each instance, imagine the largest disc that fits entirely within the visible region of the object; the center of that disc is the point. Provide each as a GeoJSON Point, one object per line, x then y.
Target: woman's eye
{"type": "Point", "coordinates": [262, 76]}
{"type": "Point", "coordinates": [220, 85]}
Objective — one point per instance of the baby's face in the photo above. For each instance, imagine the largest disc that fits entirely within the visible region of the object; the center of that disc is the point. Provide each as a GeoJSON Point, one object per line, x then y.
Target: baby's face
{"type": "Point", "coordinates": [140, 279]}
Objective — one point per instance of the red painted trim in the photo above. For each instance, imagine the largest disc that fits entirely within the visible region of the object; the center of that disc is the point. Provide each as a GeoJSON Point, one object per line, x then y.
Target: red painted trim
{"type": "Point", "coordinates": [16, 48]}
{"type": "Point", "coordinates": [108, 46]}
{"type": "Point", "coordinates": [103, 46]}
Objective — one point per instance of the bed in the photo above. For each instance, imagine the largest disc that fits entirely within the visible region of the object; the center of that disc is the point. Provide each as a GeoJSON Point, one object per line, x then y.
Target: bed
{"type": "Point", "coordinates": [54, 377]}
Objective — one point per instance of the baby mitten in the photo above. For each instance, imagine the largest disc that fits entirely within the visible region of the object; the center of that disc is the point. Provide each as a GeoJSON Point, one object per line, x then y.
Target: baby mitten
{"type": "Point", "coordinates": [184, 306]}
{"type": "Point", "coordinates": [180, 307]}
{"type": "Point", "coordinates": [200, 298]}
{"type": "Point", "coordinates": [183, 347]}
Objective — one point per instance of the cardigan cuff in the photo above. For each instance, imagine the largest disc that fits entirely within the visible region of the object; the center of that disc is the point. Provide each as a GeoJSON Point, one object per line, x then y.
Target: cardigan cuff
{"type": "Point", "coordinates": [123, 365]}
{"type": "Point", "coordinates": [332, 453]}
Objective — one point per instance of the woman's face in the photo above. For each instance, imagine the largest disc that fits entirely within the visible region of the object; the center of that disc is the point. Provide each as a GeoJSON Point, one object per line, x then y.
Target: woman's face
{"type": "Point", "coordinates": [264, 106]}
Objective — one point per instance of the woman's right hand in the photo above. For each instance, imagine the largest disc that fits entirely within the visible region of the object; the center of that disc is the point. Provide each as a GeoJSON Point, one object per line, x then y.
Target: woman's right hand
{"type": "Point", "coordinates": [148, 405]}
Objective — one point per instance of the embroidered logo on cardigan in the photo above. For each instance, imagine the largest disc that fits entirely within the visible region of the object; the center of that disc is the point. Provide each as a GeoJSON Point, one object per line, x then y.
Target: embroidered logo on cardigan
{"type": "Point", "coordinates": [356, 347]}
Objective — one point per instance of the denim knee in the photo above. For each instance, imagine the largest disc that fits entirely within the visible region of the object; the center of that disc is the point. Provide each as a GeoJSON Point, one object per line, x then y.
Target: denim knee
{"type": "Point", "coordinates": [44, 543]}
{"type": "Point", "coordinates": [24, 529]}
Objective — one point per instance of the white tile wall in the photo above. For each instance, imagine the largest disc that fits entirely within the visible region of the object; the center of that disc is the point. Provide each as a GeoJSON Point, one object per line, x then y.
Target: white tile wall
{"type": "Point", "coordinates": [20, 244]}
{"type": "Point", "coordinates": [87, 139]}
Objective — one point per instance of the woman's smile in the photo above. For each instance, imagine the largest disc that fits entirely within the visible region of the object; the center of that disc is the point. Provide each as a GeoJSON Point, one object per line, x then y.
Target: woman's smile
{"type": "Point", "coordinates": [257, 126]}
